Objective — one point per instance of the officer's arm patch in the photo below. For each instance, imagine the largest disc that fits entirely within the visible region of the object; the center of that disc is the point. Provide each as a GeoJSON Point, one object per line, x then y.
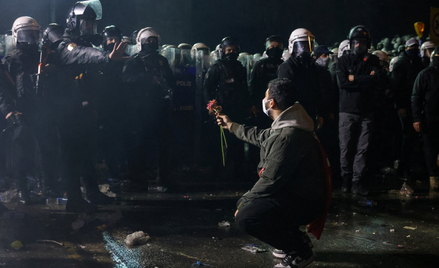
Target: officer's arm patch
{"type": "Point", "coordinates": [71, 46]}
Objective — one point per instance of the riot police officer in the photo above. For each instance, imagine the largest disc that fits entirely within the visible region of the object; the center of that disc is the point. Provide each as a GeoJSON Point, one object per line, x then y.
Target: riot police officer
{"type": "Point", "coordinates": [148, 83]}
{"type": "Point", "coordinates": [359, 75]}
{"type": "Point", "coordinates": [425, 107]}
{"type": "Point", "coordinates": [77, 60]}
{"type": "Point", "coordinates": [18, 98]}
{"type": "Point", "coordinates": [403, 77]}
{"type": "Point", "coordinates": [263, 72]}
{"type": "Point", "coordinates": [108, 90]}
{"type": "Point", "coordinates": [301, 69]}
{"type": "Point", "coordinates": [226, 81]}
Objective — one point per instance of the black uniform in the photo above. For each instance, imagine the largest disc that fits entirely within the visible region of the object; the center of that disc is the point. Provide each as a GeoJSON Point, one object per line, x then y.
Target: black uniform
{"type": "Point", "coordinates": [226, 81]}
{"type": "Point", "coordinates": [148, 85]}
{"type": "Point", "coordinates": [110, 100]}
{"type": "Point", "coordinates": [404, 73]}
{"type": "Point", "coordinates": [78, 129]}
{"type": "Point", "coordinates": [305, 75]}
{"type": "Point", "coordinates": [18, 94]}
{"type": "Point", "coordinates": [263, 72]}
{"type": "Point", "coordinates": [425, 107]}
{"type": "Point", "coordinates": [356, 110]}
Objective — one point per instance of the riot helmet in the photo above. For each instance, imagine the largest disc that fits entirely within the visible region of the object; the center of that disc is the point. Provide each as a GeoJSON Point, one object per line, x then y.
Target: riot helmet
{"type": "Point", "coordinates": [148, 40]}
{"type": "Point", "coordinates": [274, 46]}
{"type": "Point", "coordinates": [427, 48]}
{"type": "Point", "coordinates": [412, 48]}
{"type": "Point", "coordinates": [359, 40]}
{"type": "Point", "coordinates": [83, 16]}
{"type": "Point", "coordinates": [229, 48]}
{"type": "Point", "coordinates": [392, 63]}
{"type": "Point", "coordinates": [344, 48]}
{"type": "Point", "coordinates": [53, 35]}
{"type": "Point", "coordinates": [25, 32]}
{"type": "Point", "coordinates": [199, 47]}
{"type": "Point", "coordinates": [384, 58]}
{"type": "Point", "coordinates": [111, 36]}
{"type": "Point", "coordinates": [301, 43]}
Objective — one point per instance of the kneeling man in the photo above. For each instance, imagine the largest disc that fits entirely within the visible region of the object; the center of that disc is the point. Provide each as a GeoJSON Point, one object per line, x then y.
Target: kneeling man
{"type": "Point", "coordinates": [291, 190]}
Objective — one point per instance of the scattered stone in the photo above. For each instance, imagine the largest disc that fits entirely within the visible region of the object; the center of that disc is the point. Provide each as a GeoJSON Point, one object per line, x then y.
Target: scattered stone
{"type": "Point", "coordinates": [137, 238]}
{"type": "Point", "coordinates": [17, 245]}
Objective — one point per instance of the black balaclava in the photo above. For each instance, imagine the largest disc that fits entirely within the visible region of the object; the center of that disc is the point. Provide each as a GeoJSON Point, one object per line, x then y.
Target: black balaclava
{"type": "Point", "coordinates": [274, 53]}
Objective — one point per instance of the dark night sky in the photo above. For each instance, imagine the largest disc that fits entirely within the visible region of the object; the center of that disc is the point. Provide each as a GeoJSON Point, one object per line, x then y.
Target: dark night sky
{"type": "Point", "coordinates": [251, 22]}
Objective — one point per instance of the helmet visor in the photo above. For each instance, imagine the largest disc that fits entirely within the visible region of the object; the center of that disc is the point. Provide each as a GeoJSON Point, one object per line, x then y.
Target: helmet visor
{"type": "Point", "coordinates": [88, 27]}
{"type": "Point", "coordinates": [303, 46]}
{"type": "Point", "coordinates": [28, 36]}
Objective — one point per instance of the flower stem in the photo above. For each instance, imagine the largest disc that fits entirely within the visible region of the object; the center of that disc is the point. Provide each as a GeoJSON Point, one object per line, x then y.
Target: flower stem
{"type": "Point", "coordinates": [223, 136]}
{"type": "Point", "coordinates": [222, 147]}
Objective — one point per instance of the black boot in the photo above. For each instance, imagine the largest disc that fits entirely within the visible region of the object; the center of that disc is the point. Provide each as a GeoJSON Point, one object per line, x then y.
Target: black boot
{"type": "Point", "coordinates": [346, 187]}
{"type": "Point", "coordinates": [357, 188]}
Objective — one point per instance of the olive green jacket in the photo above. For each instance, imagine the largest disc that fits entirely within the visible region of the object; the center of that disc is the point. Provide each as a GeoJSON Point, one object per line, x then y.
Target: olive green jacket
{"type": "Point", "coordinates": [290, 166]}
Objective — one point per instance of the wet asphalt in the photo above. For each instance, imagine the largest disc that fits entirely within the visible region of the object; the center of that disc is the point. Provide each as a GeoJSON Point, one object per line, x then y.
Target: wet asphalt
{"type": "Point", "coordinates": [399, 231]}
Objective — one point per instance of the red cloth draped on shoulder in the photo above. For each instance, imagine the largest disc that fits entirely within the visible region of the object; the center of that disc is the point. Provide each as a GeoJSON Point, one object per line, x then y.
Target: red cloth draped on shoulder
{"type": "Point", "coordinates": [316, 227]}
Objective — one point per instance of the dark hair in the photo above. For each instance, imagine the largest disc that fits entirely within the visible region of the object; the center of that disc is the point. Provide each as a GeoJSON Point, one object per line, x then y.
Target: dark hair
{"type": "Point", "coordinates": [283, 92]}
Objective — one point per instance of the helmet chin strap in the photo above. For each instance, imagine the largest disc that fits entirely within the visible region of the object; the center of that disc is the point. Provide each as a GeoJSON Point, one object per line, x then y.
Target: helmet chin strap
{"type": "Point", "coordinates": [309, 42]}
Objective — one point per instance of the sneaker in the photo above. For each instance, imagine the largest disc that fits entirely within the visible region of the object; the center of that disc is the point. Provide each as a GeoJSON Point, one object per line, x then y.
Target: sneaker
{"type": "Point", "coordinates": [357, 188]}
{"type": "Point", "coordinates": [79, 205]}
{"type": "Point", "coordinates": [280, 254]}
{"type": "Point", "coordinates": [294, 260]}
{"type": "Point", "coordinates": [99, 198]}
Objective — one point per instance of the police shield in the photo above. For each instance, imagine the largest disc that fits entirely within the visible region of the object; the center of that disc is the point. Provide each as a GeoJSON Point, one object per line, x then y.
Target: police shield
{"type": "Point", "coordinates": [246, 61]}
{"type": "Point", "coordinates": [9, 41]}
{"type": "Point", "coordinates": [172, 54]}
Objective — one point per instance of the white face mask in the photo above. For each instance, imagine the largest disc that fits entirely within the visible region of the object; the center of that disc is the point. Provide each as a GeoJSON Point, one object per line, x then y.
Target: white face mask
{"type": "Point", "coordinates": [324, 62]}
{"type": "Point", "coordinates": [265, 108]}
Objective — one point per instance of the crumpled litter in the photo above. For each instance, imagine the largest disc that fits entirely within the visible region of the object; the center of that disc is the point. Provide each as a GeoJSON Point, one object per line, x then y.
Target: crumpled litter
{"type": "Point", "coordinates": [410, 227]}
{"type": "Point", "coordinates": [8, 196]}
{"type": "Point", "coordinates": [105, 189]}
{"type": "Point", "coordinates": [137, 238]}
{"type": "Point", "coordinates": [253, 248]}
{"type": "Point", "coordinates": [405, 190]}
